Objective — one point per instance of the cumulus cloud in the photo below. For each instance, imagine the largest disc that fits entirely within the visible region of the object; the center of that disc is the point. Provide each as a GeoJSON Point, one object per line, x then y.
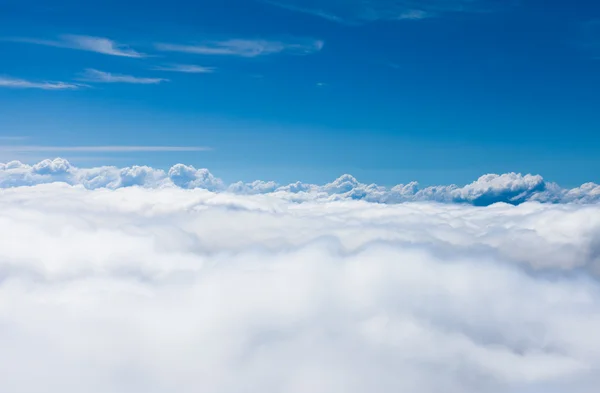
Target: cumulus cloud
{"type": "Point", "coordinates": [510, 188]}
{"type": "Point", "coordinates": [86, 43]}
{"type": "Point", "coordinates": [245, 47]}
{"type": "Point", "coordinates": [169, 289]}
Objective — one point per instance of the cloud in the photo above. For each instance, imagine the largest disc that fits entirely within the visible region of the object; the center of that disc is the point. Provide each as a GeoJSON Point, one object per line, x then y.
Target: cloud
{"type": "Point", "coordinates": [86, 43]}
{"type": "Point", "coordinates": [245, 47]}
{"type": "Point", "coordinates": [159, 290]}
{"type": "Point", "coordinates": [92, 75]}
{"type": "Point", "coordinates": [101, 149]}
{"type": "Point", "coordinates": [509, 188]}
{"type": "Point", "coordinates": [13, 83]}
{"type": "Point", "coordinates": [185, 68]}
{"type": "Point", "coordinates": [361, 11]}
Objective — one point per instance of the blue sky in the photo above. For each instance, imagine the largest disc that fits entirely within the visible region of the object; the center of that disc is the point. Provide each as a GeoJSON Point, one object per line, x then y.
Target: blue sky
{"type": "Point", "coordinates": [391, 91]}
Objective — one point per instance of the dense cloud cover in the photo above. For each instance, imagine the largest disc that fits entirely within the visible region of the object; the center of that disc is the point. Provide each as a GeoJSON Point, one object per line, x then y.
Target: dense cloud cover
{"type": "Point", "coordinates": [489, 189]}
{"type": "Point", "coordinates": [167, 289]}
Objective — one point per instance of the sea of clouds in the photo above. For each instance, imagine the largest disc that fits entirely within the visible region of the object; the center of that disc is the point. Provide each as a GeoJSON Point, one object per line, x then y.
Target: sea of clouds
{"type": "Point", "coordinates": [140, 281]}
{"type": "Point", "coordinates": [510, 188]}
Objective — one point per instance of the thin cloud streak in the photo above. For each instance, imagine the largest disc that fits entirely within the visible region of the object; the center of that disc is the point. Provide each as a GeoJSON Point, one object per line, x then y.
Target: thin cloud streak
{"type": "Point", "coordinates": [356, 12]}
{"type": "Point", "coordinates": [14, 83]}
{"type": "Point", "coordinates": [185, 68]}
{"type": "Point", "coordinates": [102, 149]}
{"type": "Point", "coordinates": [93, 75]}
{"type": "Point", "coordinates": [313, 11]}
{"type": "Point", "coordinates": [244, 47]}
{"type": "Point", "coordinates": [86, 43]}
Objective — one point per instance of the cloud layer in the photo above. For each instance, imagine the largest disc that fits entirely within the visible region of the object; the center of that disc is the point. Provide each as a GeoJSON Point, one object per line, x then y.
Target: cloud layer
{"type": "Point", "coordinates": [163, 290]}
{"type": "Point", "coordinates": [508, 188]}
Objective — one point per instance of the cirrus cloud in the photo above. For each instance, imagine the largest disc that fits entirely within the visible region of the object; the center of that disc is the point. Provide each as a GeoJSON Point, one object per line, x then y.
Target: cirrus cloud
{"type": "Point", "coordinates": [245, 47]}
{"type": "Point", "coordinates": [362, 11]}
{"type": "Point", "coordinates": [97, 76]}
{"type": "Point", "coordinates": [100, 45]}
{"type": "Point", "coordinates": [15, 83]}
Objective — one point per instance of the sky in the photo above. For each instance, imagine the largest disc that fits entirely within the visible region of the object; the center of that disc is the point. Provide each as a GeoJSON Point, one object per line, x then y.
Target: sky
{"type": "Point", "coordinates": [391, 91]}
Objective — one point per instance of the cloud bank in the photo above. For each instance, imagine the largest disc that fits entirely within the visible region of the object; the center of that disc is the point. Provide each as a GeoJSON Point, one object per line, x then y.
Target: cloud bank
{"type": "Point", "coordinates": [511, 188]}
{"type": "Point", "coordinates": [178, 290]}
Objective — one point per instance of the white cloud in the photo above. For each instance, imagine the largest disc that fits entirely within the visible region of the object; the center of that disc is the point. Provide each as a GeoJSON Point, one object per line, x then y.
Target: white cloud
{"type": "Point", "coordinates": [92, 75]}
{"type": "Point", "coordinates": [186, 68]}
{"type": "Point", "coordinates": [13, 83]}
{"type": "Point", "coordinates": [361, 11]}
{"type": "Point", "coordinates": [511, 188]}
{"type": "Point", "coordinates": [86, 43]}
{"type": "Point", "coordinates": [163, 290]}
{"type": "Point", "coordinates": [245, 47]}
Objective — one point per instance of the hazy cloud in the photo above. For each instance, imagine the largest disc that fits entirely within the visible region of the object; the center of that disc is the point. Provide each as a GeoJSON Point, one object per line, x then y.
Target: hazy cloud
{"type": "Point", "coordinates": [101, 149]}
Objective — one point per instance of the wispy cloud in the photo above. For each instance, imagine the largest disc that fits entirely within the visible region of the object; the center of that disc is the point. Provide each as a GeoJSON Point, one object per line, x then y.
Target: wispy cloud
{"type": "Point", "coordinates": [185, 68]}
{"type": "Point", "coordinates": [361, 11]}
{"type": "Point", "coordinates": [14, 83]}
{"type": "Point", "coordinates": [292, 6]}
{"type": "Point", "coordinates": [414, 15]}
{"type": "Point", "coordinates": [86, 43]}
{"type": "Point", "coordinates": [245, 47]}
{"type": "Point", "coordinates": [12, 138]}
{"type": "Point", "coordinates": [93, 75]}
{"type": "Point", "coordinates": [101, 149]}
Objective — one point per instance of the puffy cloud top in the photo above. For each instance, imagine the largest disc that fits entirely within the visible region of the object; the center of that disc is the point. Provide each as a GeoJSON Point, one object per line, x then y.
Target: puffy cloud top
{"type": "Point", "coordinates": [511, 188]}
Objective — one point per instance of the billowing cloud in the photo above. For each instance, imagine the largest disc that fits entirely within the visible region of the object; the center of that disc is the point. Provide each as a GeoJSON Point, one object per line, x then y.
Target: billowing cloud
{"type": "Point", "coordinates": [245, 47]}
{"type": "Point", "coordinates": [168, 289]}
{"type": "Point", "coordinates": [101, 45]}
{"type": "Point", "coordinates": [361, 11]}
{"type": "Point", "coordinates": [511, 188]}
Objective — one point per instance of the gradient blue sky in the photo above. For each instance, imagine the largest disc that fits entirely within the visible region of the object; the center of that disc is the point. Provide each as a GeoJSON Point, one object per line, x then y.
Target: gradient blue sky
{"type": "Point", "coordinates": [390, 91]}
